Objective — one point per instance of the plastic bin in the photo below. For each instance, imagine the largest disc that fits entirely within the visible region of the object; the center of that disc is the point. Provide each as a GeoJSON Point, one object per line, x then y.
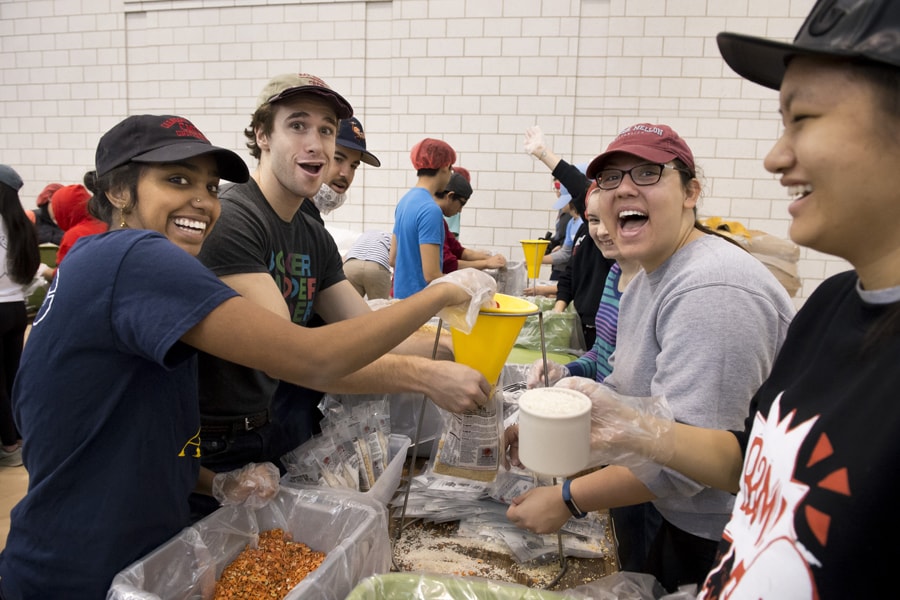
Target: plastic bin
{"type": "Point", "coordinates": [386, 485]}
{"type": "Point", "coordinates": [350, 528]}
{"type": "Point", "coordinates": [423, 586]}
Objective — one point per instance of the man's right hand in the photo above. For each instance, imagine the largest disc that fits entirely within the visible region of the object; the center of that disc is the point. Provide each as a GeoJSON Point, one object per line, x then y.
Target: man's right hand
{"type": "Point", "coordinates": [456, 387]}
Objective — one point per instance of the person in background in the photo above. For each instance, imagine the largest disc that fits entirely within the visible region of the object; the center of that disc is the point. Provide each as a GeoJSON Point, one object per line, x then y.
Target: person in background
{"type": "Point", "coordinates": [70, 210]}
{"type": "Point", "coordinates": [582, 283]}
{"type": "Point", "coordinates": [48, 231]}
{"type": "Point", "coordinates": [563, 216]}
{"type": "Point", "coordinates": [265, 248]}
{"type": "Point", "coordinates": [700, 325]}
{"type": "Point", "coordinates": [349, 152]}
{"type": "Point", "coordinates": [812, 464]}
{"type": "Point", "coordinates": [560, 256]}
{"type": "Point", "coordinates": [367, 264]}
{"type": "Point", "coordinates": [453, 222]}
{"type": "Point", "coordinates": [451, 201]}
{"type": "Point", "coordinates": [20, 258]}
{"type": "Point", "coordinates": [417, 243]}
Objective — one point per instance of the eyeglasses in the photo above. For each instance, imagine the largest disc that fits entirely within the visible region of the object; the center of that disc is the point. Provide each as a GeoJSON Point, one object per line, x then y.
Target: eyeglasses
{"type": "Point", "coordinates": [462, 201]}
{"type": "Point", "coordinates": [609, 179]}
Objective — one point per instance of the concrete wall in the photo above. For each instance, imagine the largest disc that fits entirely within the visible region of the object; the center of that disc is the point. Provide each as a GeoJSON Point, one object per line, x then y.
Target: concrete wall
{"type": "Point", "coordinates": [475, 73]}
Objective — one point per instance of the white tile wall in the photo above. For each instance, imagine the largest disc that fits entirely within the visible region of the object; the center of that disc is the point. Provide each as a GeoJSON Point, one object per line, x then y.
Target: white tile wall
{"type": "Point", "coordinates": [475, 73]}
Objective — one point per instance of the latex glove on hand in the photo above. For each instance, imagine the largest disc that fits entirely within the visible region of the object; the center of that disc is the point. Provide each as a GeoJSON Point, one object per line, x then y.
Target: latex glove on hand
{"type": "Point", "coordinates": [496, 261]}
{"type": "Point", "coordinates": [555, 371]}
{"type": "Point", "coordinates": [534, 141]}
{"type": "Point", "coordinates": [625, 430]}
{"type": "Point", "coordinates": [480, 287]}
{"type": "Point", "coordinates": [253, 485]}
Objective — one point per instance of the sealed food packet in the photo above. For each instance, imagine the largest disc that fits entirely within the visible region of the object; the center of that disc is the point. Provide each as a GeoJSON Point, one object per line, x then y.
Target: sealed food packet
{"type": "Point", "coordinates": [470, 442]}
{"type": "Point", "coordinates": [352, 451]}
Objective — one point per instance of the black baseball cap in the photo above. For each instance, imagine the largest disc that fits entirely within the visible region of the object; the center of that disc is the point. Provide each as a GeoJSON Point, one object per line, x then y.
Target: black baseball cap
{"type": "Point", "coordinates": [8, 176]}
{"type": "Point", "coordinates": [459, 186]}
{"type": "Point", "coordinates": [351, 135]}
{"type": "Point", "coordinates": [160, 139]}
{"type": "Point", "coordinates": [853, 29]}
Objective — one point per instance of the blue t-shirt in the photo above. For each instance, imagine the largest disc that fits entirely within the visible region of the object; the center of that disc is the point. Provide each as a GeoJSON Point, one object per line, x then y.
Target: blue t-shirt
{"type": "Point", "coordinates": [417, 220]}
{"type": "Point", "coordinates": [106, 401]}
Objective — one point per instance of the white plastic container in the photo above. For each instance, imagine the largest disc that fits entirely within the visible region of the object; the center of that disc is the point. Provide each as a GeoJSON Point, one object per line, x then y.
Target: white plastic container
{"type": "Point", "coordinates": [554, 431]}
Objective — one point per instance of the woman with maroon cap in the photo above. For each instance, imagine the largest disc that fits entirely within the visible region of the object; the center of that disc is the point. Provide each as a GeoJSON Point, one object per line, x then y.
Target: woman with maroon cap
{"type": "Point", "coordinates": [814, 466]}
{"type": "Point", "coordinates": [112, 437]}
{"type": "Point", "coordinates": [700, 325]}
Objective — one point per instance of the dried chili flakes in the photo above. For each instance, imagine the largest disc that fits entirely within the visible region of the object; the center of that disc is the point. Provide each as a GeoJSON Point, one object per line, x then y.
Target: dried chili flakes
{"type": "Point", "coordinates": [269, 571]}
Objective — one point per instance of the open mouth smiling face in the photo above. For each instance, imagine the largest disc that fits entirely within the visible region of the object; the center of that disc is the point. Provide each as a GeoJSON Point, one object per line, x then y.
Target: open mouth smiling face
{"type": "Point", "coordinates": [631, 220]}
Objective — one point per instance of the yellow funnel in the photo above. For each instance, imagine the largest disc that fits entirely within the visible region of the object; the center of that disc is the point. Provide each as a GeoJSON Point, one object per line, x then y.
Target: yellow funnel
{"type": "Point", "coordinates": [534, 252]}
{"type": "Point", "coordinates": [488, 345]}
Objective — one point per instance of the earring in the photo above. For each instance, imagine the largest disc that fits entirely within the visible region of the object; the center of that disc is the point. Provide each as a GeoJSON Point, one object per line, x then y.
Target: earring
{"type": "Point", "coordinates": [123, 211]}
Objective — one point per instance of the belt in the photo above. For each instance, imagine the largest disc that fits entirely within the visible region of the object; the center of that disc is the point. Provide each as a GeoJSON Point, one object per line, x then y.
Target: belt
{"type": "Point", "coordinates": [233, 424]}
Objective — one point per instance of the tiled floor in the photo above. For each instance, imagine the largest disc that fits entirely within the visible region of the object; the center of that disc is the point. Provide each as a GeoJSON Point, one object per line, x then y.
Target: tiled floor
{"type": "Point", "coordinates": [13, 483]}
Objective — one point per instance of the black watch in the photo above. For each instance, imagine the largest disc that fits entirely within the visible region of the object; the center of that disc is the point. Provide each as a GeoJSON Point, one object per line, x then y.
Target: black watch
{"type": "Point", "coordinates": [567, 498]}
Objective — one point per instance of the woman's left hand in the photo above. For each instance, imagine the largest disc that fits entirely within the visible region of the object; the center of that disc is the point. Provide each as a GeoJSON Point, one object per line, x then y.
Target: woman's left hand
{"type": "Point", "coordinates": [539, 510]}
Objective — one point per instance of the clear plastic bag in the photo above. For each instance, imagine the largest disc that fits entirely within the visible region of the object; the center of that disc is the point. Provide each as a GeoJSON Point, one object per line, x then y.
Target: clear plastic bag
{"type": "Point", "coordinates": [351, 529]}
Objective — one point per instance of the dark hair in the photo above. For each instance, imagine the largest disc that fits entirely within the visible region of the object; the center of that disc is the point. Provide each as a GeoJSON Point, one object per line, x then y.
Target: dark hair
{"type": "Point", "coordinates": [427, 172]}
{"type": "Point", "coordinates": [686, 177]}
{"type": "Point", "coordinates": [124, 177]}
{"type": "Point", "coordinates": [90, 181]}
{"type": "Point", "coordinates": [263, 120]}
{"type": "Point", "coordinates": [885, 81]}
{"type": "Point", "coordinates": [23, 257]}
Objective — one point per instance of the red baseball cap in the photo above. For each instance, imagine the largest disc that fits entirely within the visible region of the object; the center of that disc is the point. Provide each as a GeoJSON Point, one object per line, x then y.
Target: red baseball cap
{"type": "Point", "coordinates": [656, 143]}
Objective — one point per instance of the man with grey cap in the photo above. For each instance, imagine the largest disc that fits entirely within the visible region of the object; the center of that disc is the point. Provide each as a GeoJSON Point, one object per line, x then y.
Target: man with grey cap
{"type": "Point", "coordinates": [264, 247]}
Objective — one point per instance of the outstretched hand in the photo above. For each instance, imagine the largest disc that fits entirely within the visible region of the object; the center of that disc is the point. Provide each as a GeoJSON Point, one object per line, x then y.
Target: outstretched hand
{"type": "Point", "coordinates": [534, 141]}
{"type": "Point", "coordinates": [625, 430]}
{"type": "Point", "coordinates": [480, 289]}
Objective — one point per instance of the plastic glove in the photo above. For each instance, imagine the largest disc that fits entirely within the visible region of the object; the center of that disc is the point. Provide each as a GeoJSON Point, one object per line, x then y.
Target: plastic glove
{"type": "Point", "coordinates": [496, 261]}
{"type": "Point", "coordinates": [555, 371]}
{"type": "Point", "coordinates": [534, 140]}
{"type": "Point", "coordinates": [481, 288]}
{"type": "Point", "coordinates": [625, 430]}
{"type": "Point", "coordinates": [253, 485]}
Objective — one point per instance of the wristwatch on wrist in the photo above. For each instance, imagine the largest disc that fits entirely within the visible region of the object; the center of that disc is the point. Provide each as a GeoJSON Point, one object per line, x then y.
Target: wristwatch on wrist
{"type": "Point", "coordinates": [567, 498]}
